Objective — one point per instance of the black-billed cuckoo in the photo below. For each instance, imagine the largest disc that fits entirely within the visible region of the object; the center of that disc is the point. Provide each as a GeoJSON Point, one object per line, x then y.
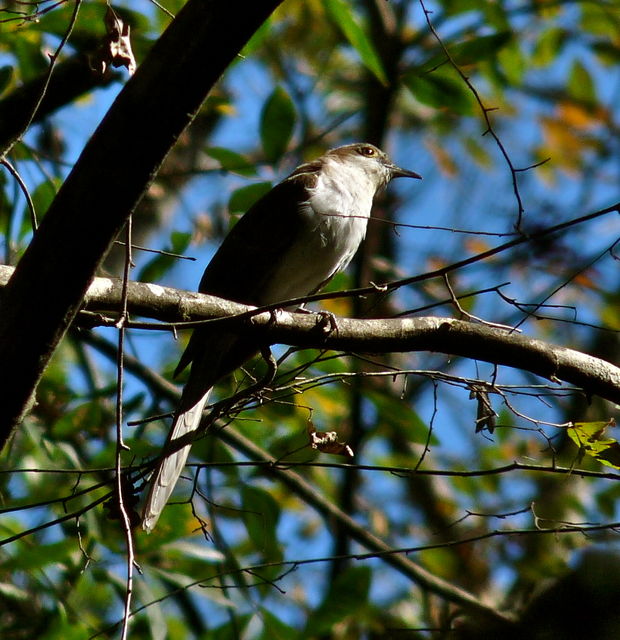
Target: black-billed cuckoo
{"type": "Point", "coordinates": [288, 245]}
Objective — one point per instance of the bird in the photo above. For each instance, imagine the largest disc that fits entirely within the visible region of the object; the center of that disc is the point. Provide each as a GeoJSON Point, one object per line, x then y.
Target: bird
{"type": "Point", "coordinates": [288, 244]}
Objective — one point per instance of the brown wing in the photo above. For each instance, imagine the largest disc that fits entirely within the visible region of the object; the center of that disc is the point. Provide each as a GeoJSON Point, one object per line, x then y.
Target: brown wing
{"type": "Point", "coordinates": [250, 255]}
{"type": "Point", "coordinates": [252, 251]}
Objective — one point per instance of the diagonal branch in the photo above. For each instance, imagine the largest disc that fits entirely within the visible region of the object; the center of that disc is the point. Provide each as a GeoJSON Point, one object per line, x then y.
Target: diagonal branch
{"type": "Point", "coordinates": [331, 512]}
{"type": "Point", "coordinates": [108, 181]}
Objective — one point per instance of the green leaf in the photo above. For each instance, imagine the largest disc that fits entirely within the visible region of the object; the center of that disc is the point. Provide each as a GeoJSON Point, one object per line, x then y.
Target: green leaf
{"type": "Point", "coordinates": [41, 198]}
{"type": "Point", "coordinates": [6, 73]}
{"type": "Point", "coordinates": [231, 161]}
{"type": "Point", "coordinates": [607, 52]}
{"type": "Point", "coordinates": [277, 122]}
{"type": "Point", "coordinates": [158, 265]}
{"type": "Point", "coordinates": [244, 197]}
{"type": "Point", "coordinates": [471, 51]}
{"type": "Point", "coordinates": [38, 556]}
{"type": "Point", "coordinates": [480, 48]}
{"type": "Point", "coordinates": [342, 14]}
{"type": "Point", "coordinates": [347, 596]}
{"type": "Point", "coordinates": [580, 83]}
{"type": "Point", "coordinates": [595, 19]}
{"type": "Point", "coordinates": [260, 515]}
{"type": "Point", "coordinates": [588, 436]}
{"type": "Point", "coordinates": [28, 53]}
{"type": "Point", "coordinates": [549, 45]}
{"type": "Point", "coordinates": [478, 152]}
{"type": "Point", "coordinates": [454, 7]}
{"type": "Point", "coordinates": [399, 417]}
{"type": "Point", "coordinates": [231, 630]}
{"type": "Point", "coordinates": [84, 416]}
{"type": "Point", "coordinates": [258, 39]}
{"type": "Point", "coordinates": [439, 91]}
{"type": "Point", "coordinates": [274, 628]}
{"type": "Point", "coordinates": [511, 63]}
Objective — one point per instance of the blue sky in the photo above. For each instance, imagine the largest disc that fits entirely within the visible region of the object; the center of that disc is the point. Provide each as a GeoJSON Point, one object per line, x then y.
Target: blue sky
{"type": "Point", "coordinates": [474, 199]}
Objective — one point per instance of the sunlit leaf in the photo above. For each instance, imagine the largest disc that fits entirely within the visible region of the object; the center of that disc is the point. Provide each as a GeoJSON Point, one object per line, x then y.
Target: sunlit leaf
{"type": "Point", "coordinates": [566, 145]}
{"type": "Point", "coordinates": [443, 157]}
{"type": "Point", "coordinates": [13, 592]}
{"type": "Point", "coordinates": [116, 48]}
{"type": "Point", "coordinates": [478, 152]}
{"type": "Point", "coordinates": [549, 45]}
{"type": "Point", "coordinates": [41, 198]}
{"type": "Point", "coordinates": [511, 62]}
{"type": "Point", "coordinates": [578, 116]}
{"type": "Point", "coordinates": [327, 442]}
{"type": "Point", "coordinates": [591, 440]}
{"type": "Point", "coordinates": [342, 14]}
{"type": "Point", "coordinates": [580, 83]}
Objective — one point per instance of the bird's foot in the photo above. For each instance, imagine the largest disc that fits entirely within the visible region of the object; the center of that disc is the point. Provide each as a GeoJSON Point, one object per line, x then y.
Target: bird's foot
{"type": "Point", "coordinates": [326, 322]}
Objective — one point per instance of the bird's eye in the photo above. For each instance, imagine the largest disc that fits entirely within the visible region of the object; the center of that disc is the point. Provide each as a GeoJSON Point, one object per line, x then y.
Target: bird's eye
{"type": "Point", "coordinates": [369, 152]}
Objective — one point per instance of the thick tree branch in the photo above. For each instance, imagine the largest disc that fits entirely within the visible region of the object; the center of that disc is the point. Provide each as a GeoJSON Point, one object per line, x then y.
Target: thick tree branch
{"type": "Point", "coordinates": [412, 570]}
{"type": "Point", "coordinates": [441, 335]}
{"type": "Point", "coordinates": [116, 166]}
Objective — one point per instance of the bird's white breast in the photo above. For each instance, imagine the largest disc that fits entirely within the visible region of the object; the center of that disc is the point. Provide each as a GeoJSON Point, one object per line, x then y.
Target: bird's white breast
{"type": "Point", "coordinates": [335, 216]}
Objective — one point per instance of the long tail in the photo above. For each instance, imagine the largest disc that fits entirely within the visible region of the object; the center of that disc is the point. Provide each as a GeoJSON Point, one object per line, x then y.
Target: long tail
{"type": "Point", "coordinates": [169, 468]}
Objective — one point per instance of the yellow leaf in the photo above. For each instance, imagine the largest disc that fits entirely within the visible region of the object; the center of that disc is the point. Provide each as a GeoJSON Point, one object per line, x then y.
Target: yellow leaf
{"type": "Point", "coordinates": [577, 116]}
{"type": "Point", "coordinates": [444, 159]}
{"type": "Point", "coordinates": [588, 436]}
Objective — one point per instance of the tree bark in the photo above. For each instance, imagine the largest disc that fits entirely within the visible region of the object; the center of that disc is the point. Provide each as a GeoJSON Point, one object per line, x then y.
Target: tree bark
{"type": "Point", "coordinates": [441, 335]}
{"type": "Point", "coordinates": [110, 177]}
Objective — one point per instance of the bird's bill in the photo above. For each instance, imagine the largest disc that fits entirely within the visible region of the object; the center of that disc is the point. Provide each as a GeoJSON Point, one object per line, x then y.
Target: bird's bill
{"type": "Point", "coordinates": [398, 172]}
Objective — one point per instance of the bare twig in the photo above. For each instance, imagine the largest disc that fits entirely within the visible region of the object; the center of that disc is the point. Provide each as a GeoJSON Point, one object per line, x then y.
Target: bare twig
{"type": "Point", "coordinates": [120, 445]}
{"type": "Point", "coordinates": [53, 57]}
{"type": "Point", "coordinates": [485, 114]}
{"type": "Point", "coordinates": [24, 189]}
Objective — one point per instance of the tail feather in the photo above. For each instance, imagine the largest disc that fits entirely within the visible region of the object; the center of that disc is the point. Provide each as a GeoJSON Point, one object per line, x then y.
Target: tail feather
{"type": "Point", "coordinates": [169, 469]}
{"type": "Point", "coordinates": [213, 355]}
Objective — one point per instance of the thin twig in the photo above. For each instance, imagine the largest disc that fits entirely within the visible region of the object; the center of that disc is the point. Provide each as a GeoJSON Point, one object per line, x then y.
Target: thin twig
{"type": "Point", "coordinates": [485, 114]}
{"type": "Point", "coordinates": [53, 58]}
{"type": "Point", "coordinates": [471, 316]}
{"type": "Point", "coordinates": [120, 445]}
{"type": "Point", "coordinates": [24, 189]}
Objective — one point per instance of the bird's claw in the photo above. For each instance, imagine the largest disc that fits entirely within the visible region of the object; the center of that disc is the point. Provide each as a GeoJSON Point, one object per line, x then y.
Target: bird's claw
{"type": "Point", "coordinates": [326, 322]}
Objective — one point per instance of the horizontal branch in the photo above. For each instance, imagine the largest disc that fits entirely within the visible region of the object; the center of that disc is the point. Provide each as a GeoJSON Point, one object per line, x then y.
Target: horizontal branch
{"type": "Point", "coordinates": [440, 335]}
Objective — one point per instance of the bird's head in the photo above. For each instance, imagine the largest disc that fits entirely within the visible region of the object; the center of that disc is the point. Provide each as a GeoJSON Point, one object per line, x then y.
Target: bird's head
{"type": "Point", "coordinates": [371, 161]}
